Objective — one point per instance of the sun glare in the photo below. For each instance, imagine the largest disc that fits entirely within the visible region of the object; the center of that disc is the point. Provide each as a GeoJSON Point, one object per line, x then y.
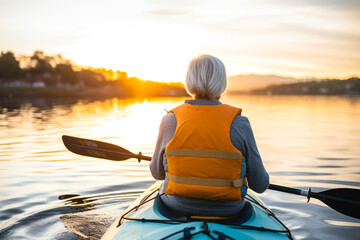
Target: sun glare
{"type": "Point", "coordinates": [150, 54]}
{"type": "Point", "coordinates": [127, 121]}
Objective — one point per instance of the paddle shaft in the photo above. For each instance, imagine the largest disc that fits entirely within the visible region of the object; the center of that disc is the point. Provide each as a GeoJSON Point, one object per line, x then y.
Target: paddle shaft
{"type": "Point", "coordinates": [288, 190]}
{"type": "Point", "coordinates": [343, 200]}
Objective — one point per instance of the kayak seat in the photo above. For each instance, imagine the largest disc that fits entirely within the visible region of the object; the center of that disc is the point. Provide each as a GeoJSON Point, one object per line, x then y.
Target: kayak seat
{"type": "Point", "coordinates": [243, 216]}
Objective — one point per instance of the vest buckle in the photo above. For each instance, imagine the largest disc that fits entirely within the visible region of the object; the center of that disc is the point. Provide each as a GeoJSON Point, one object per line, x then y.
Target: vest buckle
{"type": "Point", "coordinates": [240, 182]}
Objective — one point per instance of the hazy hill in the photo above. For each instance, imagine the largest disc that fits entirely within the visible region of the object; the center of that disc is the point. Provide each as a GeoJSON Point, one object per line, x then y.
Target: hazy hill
{"type": "Point", "coordinates": [350, 86]}
{"type": "Point", "coordinates": [252, 81]}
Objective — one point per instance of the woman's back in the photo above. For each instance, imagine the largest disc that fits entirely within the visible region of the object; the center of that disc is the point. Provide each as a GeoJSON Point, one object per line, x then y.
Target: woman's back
{"type": "Point", "coordinates": [242, 138]}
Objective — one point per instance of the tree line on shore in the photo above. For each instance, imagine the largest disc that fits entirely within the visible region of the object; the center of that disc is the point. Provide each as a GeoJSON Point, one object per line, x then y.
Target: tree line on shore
{"type": "Point", "coordinates": [54, 74]}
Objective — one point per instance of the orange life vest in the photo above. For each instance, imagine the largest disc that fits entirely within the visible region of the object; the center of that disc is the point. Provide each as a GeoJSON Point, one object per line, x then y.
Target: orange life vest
{"type": "Point", "coordinates": [201, 160]}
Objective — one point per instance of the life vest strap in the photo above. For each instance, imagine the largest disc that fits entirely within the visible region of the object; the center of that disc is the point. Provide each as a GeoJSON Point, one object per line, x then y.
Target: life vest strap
{"type": "Point", "coordinates": [202, 153]}
{"type": "Point", "coordinates": [208, 182]}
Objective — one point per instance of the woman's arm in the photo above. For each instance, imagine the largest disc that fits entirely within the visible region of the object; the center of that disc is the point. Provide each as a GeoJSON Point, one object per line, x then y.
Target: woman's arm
{"type": "Point", "coordinates": [166, 133]}
{"type": "Point", "coordinates": [242, 137]}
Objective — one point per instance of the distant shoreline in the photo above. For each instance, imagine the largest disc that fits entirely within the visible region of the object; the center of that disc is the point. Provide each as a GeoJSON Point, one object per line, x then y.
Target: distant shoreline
{"type": "Point", "coordinates": [94, 93]}
{"type": "Point", "coordinates": [47, 92]}
{"type": "Point", "coordinates": [350, 87]}
{"type": "Point", "coordinates": [28, 92]}
{"type": "Point", "coordinates": [329, 87]}
{"type": "Point", "coordinates": [264, 93]}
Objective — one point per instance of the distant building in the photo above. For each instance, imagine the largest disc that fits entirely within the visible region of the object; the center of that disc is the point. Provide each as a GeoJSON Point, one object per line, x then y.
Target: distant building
{"type": "Point", "coordinates": [38, 85]}
{"type": "Point", "coordinates": [349, 86]}
{"type": "Point", "coordinates": [16, 83]}
{"type": "Point", "coordinates": [19, 83]}
{"type": "Point", "coordinates": [305, 89]}
{"type": "Point", "coordinates": [323, 90]}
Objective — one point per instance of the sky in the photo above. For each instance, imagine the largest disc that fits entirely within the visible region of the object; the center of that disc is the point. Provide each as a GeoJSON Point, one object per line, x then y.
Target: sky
{"type": "Point", "coordinates": [156, 39]}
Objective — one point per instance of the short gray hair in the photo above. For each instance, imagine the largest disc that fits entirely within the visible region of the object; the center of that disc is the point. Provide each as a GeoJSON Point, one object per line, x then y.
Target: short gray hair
{"type": "Point", "coordinates": [206, 77]}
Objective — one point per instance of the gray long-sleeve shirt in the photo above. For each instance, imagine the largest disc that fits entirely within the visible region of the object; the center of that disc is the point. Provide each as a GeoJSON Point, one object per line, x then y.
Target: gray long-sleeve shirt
{"type": "Point", "coordinates": [241, 137]}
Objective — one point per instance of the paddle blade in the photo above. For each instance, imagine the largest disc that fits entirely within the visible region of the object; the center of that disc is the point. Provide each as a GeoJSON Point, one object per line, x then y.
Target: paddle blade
{"type": "Point", "coordinates": [98, 149]}
{"type": "Point", "coordinates": [343, 200]}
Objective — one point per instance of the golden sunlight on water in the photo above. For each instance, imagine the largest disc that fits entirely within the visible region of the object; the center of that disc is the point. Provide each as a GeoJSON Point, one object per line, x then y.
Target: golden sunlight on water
{"type": "Point", "coordinates": [306, 138]}
{"type": "Point", "coordinates": [307, 141]}
{"type": "Point", "coordinates": [131, 123]}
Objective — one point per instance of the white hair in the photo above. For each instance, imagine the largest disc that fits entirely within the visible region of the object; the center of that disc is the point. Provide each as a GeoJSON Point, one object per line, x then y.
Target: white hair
{"type": "Point", "coordinates": [206, 77]}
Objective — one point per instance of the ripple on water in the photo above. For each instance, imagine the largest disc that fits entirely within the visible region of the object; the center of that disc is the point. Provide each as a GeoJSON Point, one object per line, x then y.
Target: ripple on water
{"type": "Point", "coordinates": [299, 174]}
{"type": "Point", "coordinates": [336, 182]}
{"type": "Point", "coordinates": [333, 159]}
{"type": "Point", "coordinates": [330, 166]}
{"type": "Point", "coordinates": [343, 223]}
{"type": "Point", "coordinates": [83, 216]}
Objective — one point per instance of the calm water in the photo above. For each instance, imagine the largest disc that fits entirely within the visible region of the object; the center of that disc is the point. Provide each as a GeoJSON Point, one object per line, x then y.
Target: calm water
{"type": "Point", "coordinates": [304, 141]}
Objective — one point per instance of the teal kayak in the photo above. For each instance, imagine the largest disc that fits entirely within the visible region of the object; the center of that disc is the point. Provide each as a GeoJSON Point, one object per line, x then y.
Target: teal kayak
{"type": "Point", "coordinates": [148, 218]}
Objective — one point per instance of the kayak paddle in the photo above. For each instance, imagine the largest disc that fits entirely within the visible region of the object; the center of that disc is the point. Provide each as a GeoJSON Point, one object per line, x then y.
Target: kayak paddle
{"type": "Point", "coordinates": [343, 200]}
{"type": "Point", "coordinates": [98, 149]}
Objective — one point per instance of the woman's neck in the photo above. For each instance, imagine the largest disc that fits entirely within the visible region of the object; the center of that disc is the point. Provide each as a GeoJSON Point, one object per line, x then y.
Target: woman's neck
{"type": "Point", "coordinates": [205, 97]}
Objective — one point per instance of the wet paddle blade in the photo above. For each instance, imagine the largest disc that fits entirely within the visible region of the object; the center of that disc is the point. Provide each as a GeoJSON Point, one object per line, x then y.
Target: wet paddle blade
{"type": "Point", "coordinates": [343, 200]}
{"type": "Point", "coordinates": [98, 149]}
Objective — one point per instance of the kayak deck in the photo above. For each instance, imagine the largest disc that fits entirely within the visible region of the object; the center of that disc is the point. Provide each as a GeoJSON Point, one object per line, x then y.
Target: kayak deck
{"type": "Point", "coordinates": [144, 220]}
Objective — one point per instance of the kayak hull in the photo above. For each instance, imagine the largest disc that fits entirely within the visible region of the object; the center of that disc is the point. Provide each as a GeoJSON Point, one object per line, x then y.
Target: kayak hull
{"type": "Point", "coordinates": [143, 220]}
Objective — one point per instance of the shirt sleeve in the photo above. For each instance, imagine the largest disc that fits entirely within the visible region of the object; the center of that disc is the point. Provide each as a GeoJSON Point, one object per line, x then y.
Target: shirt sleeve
{"type": "Point", "coordinates": [166, 133]}
{"type": "Point", "coordinates": [242, 137]}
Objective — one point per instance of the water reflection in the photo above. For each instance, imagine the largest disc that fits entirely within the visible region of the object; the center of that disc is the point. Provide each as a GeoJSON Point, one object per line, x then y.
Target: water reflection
{"type": "Point", "coordinates": [304, 141]}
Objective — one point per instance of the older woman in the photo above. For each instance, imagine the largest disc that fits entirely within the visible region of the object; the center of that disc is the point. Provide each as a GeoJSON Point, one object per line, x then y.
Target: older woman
{"type": "Point", "coordinates": [206, 150]}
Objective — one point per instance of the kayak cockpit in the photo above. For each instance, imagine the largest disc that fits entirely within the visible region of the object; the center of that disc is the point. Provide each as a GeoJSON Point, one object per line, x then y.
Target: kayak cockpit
{"type": "Point", "coordinates": [239, 218]}
{"type": "Point", "coordinates": [149, 218]}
